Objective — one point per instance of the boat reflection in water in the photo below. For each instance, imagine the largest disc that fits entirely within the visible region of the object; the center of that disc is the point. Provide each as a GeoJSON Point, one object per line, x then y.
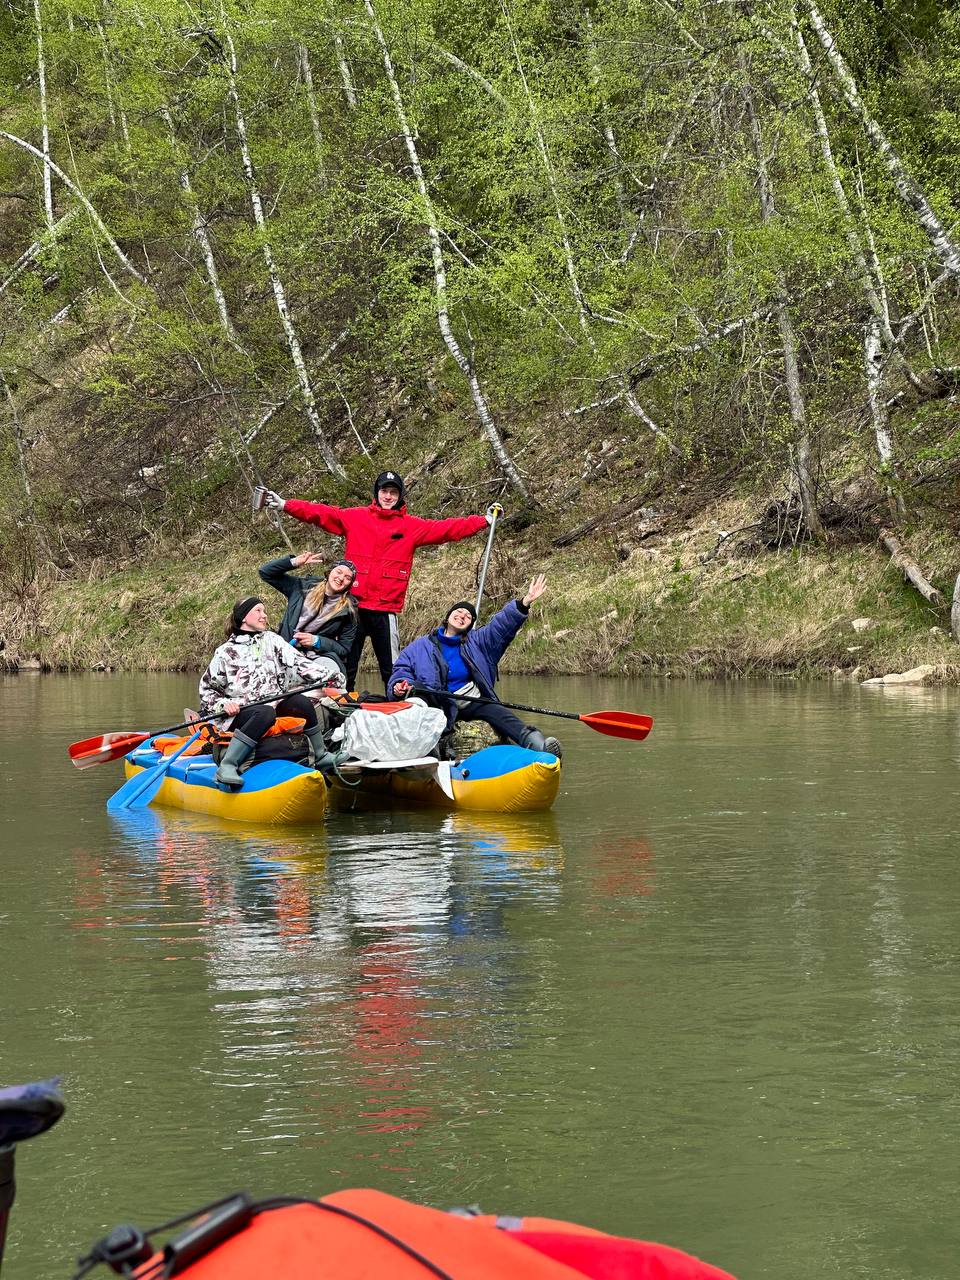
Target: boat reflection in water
{"type": "Point", "coordinates": [351, 968]}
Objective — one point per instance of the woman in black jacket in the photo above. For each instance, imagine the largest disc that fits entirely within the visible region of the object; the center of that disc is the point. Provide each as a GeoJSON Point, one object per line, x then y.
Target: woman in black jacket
{"type": "Point", "coordinates": [321, 616]}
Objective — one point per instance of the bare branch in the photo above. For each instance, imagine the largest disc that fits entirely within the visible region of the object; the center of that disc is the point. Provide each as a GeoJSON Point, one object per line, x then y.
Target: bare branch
{"type": "Point", "coordinates": [69, 183]}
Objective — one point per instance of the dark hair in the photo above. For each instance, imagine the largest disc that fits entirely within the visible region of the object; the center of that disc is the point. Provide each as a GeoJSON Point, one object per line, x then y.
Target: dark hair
{"type": "Point", "coordinates": [238, 613]}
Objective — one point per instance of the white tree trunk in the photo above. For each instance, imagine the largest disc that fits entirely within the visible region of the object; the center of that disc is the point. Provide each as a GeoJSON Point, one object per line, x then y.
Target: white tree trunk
{"type": "Point", "coordinates": [908, 566]}
{"type": "Point", "coordinates": [279, 294]}
{"type": "Point", "coordinates": [596, 79]}
{"type": "Point", "coordinates": [108, 82]}
{"type": "Point", "coordinates": [873, 368]}
{"type": "Point", "coordinates": [69, 183]}
{"type": "Point", "coordinates": [638, 411]}
{"type": "Point", "coordinates": [473, 73]}
{"type": "Point", "coordinates": [803, 458]}
{"type": "Point", "coordinates": [907, 187]}
{"type": "Point", "coordinates": [23, 468]}
{"type": "Point", "coordinates": [551, 178]}
{"type": "Point", "coordinates": [506, 463]}
{"type": "Point", "coordinates": [29, 254]}
{"type": "Point", "coordinates": [955, 611]}
{"type": "Point", "coordinates": [44, 125]}
{"type": "Point", "coordinates": [198, 225]}
{"type": "Point", "coordinates": [583, 315]}
{"type": "Point", "coordinates": [200, 234]}
{"type": "Point", "coordinates": [343, 66]}
{"type": "Point", "coordinates": [307, 71]}
{"type": "Point", "coordinates": [870, 288]}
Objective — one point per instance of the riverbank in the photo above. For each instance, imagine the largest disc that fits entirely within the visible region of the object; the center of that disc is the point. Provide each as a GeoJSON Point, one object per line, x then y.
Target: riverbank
{"type": "Point", "coordinates": [695, 602]}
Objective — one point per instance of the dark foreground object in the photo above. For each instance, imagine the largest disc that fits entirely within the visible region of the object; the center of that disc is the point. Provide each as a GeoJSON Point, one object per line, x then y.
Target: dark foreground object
{"type": "Point", "coordinates": [26, 1110]}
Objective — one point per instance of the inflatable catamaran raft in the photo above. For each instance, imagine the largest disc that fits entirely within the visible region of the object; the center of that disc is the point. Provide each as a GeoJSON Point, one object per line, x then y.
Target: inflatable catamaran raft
{"type": "Point", "coordinates": [501, 779]}
{"type": "Point", "coordinates": [369, 770]}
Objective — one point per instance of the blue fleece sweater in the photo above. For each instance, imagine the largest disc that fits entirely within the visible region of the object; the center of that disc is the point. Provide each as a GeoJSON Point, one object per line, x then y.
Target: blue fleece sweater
{"type": "Point", "coordinates": [458, 673]}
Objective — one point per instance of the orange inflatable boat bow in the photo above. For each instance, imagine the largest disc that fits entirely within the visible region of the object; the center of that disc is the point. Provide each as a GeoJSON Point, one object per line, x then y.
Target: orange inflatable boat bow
{"type": "Point", "coordinates": [368, 1235]}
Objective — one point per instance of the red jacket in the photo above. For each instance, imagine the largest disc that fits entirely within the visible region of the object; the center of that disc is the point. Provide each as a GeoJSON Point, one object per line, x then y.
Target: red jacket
{"type": "Point", "coordinates": [381, 544]}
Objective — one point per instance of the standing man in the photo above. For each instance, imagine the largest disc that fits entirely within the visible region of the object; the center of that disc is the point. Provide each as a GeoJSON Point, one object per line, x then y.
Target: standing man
{"type": "Point", "coordinates": [380, 540]}
{"type": "Point", "coordinates": [462, 663]}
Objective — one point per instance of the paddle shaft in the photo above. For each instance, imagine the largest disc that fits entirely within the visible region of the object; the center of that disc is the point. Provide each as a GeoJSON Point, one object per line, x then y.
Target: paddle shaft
{"type": "Point", "coordinates": [222, 715]}
{"type": "Point", "coordinates": [8, 1189]}
{"type": "Point", "coordinates": [514, 706]}
{"type": "Point", "coordinates": [147, 780]}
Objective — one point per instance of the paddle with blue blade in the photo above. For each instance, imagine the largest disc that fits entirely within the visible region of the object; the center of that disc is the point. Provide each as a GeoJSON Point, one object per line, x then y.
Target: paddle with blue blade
{"type": "Point", "coordinates": [138, 791]}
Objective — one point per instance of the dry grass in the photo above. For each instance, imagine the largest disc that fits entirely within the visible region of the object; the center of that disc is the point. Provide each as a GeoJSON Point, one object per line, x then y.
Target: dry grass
{"type": "Point", "coordinates": [676, 607]}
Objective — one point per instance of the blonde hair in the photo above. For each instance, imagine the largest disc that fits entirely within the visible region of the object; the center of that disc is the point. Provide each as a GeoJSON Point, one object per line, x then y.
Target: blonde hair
{"type": "Point", "coordinates": [315, 597]}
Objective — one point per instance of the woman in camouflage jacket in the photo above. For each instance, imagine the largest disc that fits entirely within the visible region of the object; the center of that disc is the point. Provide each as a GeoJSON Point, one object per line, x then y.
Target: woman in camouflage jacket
{"type": "Point", "coordinates": [255, 663]}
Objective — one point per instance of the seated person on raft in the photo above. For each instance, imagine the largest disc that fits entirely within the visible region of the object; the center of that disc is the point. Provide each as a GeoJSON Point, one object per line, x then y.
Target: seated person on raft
{"type": "Point", "coordinates": [321, 614]}
{"type": "Point", "coordinates": [457, 662]}
{"type": "Point", "coordinates": [255, 663]}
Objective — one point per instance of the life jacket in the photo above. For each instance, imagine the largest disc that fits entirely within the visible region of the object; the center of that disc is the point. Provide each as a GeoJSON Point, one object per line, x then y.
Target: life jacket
{"type": "Point", "coordinates": [368, 1235]}
{"type": "Point", "coordinates": [368, 702]}
{"type": "Point", "coordinates": [166, 744]}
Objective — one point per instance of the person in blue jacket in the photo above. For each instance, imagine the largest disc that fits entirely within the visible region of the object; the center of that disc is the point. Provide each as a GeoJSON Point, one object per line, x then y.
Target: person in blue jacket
{"type": "Point", "coordinates": [462, 662]}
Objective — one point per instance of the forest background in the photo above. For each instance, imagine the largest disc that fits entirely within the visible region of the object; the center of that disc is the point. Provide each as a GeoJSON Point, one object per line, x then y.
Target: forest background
{"type": "Point", "coordinates": [676, 281]}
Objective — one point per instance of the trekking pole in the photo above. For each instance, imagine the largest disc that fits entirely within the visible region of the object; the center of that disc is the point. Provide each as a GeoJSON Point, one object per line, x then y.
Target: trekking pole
{"type": "Point", "coordinates": [495, 511]}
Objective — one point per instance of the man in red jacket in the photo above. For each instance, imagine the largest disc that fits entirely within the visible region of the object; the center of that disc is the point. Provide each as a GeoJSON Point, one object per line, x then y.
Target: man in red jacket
{"type": "Point", "coordinates": [380, 540]}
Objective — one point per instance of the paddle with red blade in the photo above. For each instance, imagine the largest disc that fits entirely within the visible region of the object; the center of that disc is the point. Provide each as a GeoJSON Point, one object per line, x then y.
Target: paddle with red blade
{"type": "Point", "coordinates": [104, 747]}
{"type": "Point", "coordinates": [618, 724]}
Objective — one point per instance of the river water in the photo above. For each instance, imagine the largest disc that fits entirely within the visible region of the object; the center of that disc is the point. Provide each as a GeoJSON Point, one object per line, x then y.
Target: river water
{"type": "Point", "coordinates": [711, 999]}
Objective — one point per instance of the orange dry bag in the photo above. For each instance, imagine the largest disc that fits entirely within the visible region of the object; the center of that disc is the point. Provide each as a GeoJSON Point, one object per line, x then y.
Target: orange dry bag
{"type": "Point", "coordinates": [367, 1235]}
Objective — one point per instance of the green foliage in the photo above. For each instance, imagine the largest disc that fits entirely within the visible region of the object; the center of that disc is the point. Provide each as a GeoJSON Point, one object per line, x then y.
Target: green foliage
{"type": "Point", "coordinates": [595, 181]}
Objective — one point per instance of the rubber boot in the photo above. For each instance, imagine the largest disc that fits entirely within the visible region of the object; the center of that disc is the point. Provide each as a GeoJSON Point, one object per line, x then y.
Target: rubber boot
{"type": "Point", "coordinates": [322, 758]}
{"type": "Point", "coordinates": [241, 748]}
{"type": "Point", "coordinates": [535, 741]}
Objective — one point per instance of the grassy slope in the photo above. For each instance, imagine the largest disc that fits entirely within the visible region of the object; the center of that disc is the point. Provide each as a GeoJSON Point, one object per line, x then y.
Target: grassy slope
{"type": "Point", "coordinates": [670, 607]}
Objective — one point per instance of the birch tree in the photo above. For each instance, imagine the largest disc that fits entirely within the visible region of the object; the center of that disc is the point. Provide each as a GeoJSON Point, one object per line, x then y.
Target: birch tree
{"type": "Point", "coordinates": [94, 216]}
{"type": "Point", "coordinates": [44, 123]}
{"type": "Point", "coordinates": [908, 189]}
{"type": "Point", "coordinates": [804, 463]}
{"type": "Point", "coordinates": [463, 361]}
{"type": "Point", "coordinates": [306, 71]}
{"type": "Point", "coordinates": [279, 293]}
{"type": "Point", "coordinates": [879, 342]}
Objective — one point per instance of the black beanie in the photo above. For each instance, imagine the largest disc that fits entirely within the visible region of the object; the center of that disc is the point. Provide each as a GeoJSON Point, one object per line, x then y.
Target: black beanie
{"type": "Point", "coordinates": [461, 604]}
{"type": "Point", "coordinates": [242, 608]}
{"type": "Point", "coordinates": [346, 564]}
{"type": "Point", "coordinates": [388, 477]}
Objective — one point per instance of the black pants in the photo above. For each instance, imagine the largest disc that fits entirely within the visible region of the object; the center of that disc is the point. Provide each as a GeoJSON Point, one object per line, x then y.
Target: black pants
{"type": "Point", "coordinates": [385, 636]}
{"type": "Point", "coordinates": [496, 714]}
{"type": "Point", "coordinates": [255, 721]}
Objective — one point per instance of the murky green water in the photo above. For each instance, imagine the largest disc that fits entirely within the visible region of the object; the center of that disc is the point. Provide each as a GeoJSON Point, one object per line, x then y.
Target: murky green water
{"type": "Point", "coordinates": [711, 999]}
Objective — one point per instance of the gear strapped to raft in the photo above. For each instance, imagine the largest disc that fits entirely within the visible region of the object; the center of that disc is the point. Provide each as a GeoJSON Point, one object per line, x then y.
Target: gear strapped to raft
{"type": "Point", "coordinates": [352, 1235]}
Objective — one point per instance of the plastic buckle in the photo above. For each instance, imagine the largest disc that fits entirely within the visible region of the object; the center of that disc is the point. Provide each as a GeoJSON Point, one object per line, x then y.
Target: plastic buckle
{"type": "Point", "coordinates": [123, 1249]}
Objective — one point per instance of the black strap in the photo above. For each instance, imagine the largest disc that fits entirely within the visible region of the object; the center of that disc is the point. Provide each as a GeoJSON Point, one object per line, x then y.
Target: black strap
{"type": "Point", "coordinates": [170, 1261]}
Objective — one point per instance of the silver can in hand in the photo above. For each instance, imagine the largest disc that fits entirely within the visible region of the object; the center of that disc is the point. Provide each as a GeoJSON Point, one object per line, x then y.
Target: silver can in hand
{"type": "Point", "coordinates": [260, 497]}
